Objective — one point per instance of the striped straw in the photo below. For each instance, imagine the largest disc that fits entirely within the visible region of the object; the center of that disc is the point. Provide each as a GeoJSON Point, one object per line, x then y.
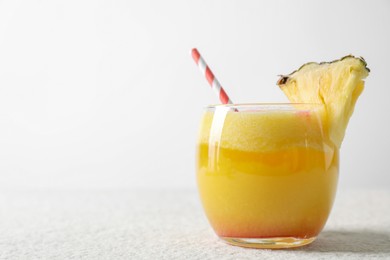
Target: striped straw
{"type": "Point", "coordinates": [211, 79]}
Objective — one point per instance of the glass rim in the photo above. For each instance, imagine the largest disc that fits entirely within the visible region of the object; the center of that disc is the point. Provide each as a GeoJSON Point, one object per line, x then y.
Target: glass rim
{"type": "Point", "coordinates": [268, 105]}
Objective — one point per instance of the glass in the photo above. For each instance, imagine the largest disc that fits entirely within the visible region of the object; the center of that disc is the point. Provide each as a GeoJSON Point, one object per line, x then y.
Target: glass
{"type": "Point", "coordinates": [267, 173]}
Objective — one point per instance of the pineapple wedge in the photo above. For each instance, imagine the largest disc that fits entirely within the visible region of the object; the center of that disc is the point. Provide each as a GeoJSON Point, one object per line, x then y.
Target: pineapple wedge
{"type": "Point", "coordinates": [335, 84]}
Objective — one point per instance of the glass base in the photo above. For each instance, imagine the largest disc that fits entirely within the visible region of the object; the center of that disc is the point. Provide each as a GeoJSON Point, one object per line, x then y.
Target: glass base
{"type": "Point", "coordinates": [269, 243]}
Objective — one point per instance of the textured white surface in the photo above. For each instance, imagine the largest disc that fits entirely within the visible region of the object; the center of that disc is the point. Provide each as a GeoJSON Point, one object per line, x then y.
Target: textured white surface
{"type": "Point", "coordinates": [169, 225]}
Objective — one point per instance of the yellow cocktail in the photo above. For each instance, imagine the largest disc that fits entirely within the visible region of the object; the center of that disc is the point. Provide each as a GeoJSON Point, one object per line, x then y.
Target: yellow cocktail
{"type": "Point", "coordinates": [267, 173]}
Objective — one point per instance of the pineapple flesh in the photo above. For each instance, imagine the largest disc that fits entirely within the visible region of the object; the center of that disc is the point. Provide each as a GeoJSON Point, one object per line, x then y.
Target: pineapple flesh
{"type": "Point", "coordinates": [337, 85]}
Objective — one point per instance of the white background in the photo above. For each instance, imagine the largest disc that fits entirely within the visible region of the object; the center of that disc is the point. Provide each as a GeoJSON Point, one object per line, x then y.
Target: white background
{"type": "Point", "coordinates": [104, 94]}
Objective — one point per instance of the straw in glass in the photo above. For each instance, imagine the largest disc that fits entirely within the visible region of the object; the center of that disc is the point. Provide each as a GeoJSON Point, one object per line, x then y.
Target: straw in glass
{"type": "Point", "coordinates": [211, 79]}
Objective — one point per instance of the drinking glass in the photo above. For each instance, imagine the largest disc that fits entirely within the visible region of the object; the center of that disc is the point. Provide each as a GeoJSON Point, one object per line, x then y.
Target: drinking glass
{"type": "Point", "coordinates": [266, 173]}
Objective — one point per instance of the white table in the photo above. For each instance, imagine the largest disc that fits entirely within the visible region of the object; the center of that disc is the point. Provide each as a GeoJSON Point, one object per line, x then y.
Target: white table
{"type": "Point", "coordinates": [169, 225]}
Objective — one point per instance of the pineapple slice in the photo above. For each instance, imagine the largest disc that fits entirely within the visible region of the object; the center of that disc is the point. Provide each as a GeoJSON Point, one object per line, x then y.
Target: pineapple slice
{"type": "Point", "coordinates": [335, 84]}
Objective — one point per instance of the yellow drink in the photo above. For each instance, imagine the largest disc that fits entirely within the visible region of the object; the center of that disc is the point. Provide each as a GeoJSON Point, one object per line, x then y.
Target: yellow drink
{"type": "Point", "coordinates": [266, 172]}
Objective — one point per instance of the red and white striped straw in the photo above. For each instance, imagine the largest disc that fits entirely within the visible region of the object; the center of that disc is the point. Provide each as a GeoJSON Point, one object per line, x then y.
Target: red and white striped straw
{"type": "Point", "coordinates": [211, 79]}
